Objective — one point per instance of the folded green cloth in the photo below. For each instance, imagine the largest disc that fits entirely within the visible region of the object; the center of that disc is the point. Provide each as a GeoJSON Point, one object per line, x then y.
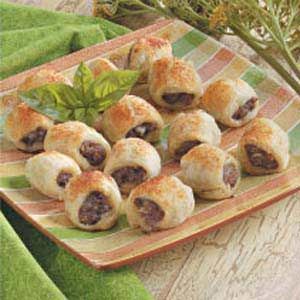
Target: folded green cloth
{"type": "Point", "coordinates": [32, 36]}
{"type": "Point", "coordinates": [74, 279]}
{"type": "Point", "coordinates": [21, 277]}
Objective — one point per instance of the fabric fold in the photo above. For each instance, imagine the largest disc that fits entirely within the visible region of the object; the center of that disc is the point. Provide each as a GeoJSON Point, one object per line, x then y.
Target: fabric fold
{"type": "Point", "coordinates": [21, 276]}
{"type": "Point", "coordinates": [32, 36]}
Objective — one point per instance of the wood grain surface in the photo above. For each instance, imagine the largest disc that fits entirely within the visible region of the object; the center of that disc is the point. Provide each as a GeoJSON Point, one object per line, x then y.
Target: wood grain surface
{"type": "Point", "coordinates": [255, 258]}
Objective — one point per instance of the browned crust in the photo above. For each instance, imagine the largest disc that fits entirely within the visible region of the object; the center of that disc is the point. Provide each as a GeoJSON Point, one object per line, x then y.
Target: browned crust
{"type": "Point", "coordinates": [71, 129]}
{"type": "Point", "coordinates": [43, 76]}
{"type": "Point", "coordinates": [136, 145]}
{"type": "Point", "coordinates": [258, 130]}
{"type": "Point", "coordinates": [217, 96]}
{"type": "Point", "coordinates": [151, 42]}
{"type": "Point", "coordinates": [210, 157]}
{"type": "Point", "coordinates": [84, 182]}
{"type": "Point", "coordinates": [171, 68]}
{"type": "Point", "coordinates": [158, 186]}
{"type": "Point", "coordinates": [23, 119]}
{"type": "Point", "coordinates": [123, 114]}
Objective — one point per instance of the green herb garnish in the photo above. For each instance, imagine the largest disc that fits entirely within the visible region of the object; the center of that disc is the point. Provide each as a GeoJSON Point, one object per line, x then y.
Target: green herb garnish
{"type": "Point", "coordinates": [85, 99]}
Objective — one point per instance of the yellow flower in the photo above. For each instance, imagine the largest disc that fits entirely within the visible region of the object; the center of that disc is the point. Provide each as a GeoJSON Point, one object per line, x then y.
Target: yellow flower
{"type": "Point", "coordinates": [218, 17]}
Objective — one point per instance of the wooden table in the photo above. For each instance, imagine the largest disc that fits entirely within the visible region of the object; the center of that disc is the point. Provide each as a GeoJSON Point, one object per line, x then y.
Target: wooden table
{"type": "Point", "coordinates": [255, 258]}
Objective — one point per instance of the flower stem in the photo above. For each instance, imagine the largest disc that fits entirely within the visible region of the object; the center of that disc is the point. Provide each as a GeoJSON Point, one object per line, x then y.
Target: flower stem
{"type": "Point", "coordinates": [269, 59]}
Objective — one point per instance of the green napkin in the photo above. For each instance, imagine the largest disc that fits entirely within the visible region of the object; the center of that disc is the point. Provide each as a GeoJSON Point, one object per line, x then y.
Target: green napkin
{"type": "Point", "coordinates": [32, 36]}
{"type": "Point", "coordinates": [74, 279]}
{"type": "Point", "coordinates": [21, 277]}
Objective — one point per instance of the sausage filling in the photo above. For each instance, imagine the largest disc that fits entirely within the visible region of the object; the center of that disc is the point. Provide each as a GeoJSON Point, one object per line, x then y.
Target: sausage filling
{"type": "Point", "coordinates": [244, 109]}
{"type": "Point", "coordinates": [93, 208]}
{"type": "Point", "coordinates": [230, 174]}
{"type": "Point", "coordinates": [260, 158]}
{"type": "Point", "coordinates": [141, 131]}
{"type": "Point", "coordinates": [129, 177]}
{"type": "Point", "coordinates": [185, 147]}
{"type": "Point", "coordinates": [35, 136]}
{"type": "Point", "coordinates": [150, 212]}
{"type": "Point", "coordinates": [93, 152]}
{"type": "Point", "coordinates": [63, 178]}
{"type": "Point", "coordinates": [178, 98]}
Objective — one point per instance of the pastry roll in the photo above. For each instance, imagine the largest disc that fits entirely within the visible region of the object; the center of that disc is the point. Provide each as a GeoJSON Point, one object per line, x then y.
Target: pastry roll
{"type": "Point", "coordinates": [264, 148]}
{"type": "Point", "coordinates": [174, 84]}
{"type": "Point", "coordinates": [145, 51]}
{"type": "Point", "coordinates": [102, 65]}
{"type": "Point", "coordinates": [8, 103]}
{"type": "Point", "coordinates": [42, 77]}
{"type": "Point", "coordinates": [92, 201]}
{"type": "Point", "coordinates": [231, 102]}
{"type": "Point", "coordinates": [191, 129]}
{"type": "Point", "coordinates": [131, 162]}
{"type": "Point", "coordinates": [211, 172]}
{"type": "Point", "coordinates": [132, 116]}
{"type": "Point", "coordinates": [49, 172]}
{"type": "Point", "coordinates": [81, 142]}
{"type": "Point", "coordinates": [160, 203]}
{"type": "Point", "coordinates": [26, 128]}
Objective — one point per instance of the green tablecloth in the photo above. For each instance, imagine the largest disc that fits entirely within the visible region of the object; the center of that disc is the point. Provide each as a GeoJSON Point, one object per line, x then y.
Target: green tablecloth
{"type": "Point", "coordinates": [31, 36]}
{"type": "Point", "coordinates": [38, 269]}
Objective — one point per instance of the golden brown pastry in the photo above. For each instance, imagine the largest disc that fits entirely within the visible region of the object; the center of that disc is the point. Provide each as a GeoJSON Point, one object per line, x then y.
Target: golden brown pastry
{"type": "Point", "coordinates": [191, 129]}
{"type": "Point", "coordinates": [145, 51]}
{"type": "Point", "coordinates": [26, 128]}
{"type": "Point", "coordinates": [131, 162]}
{"type": "Point", "coordinates": [211, 172]}
{"type": "Point", "coordinates": [102, 65]}
{"type": "Point", "coordinates": [92, 201]}
{"type": "Point", "coordinates": [264, 148]}
{"type": "Point", "coordinates": [132, 116]}
{"type": "Point", "coordinates": [8, 102]}
{"type": "Point", "coordinates": [174, 84]}
{"type": "Point", "coordinates": [231, 102]}
{"type": "Point", "coordinates": [81, 142]}
{"type": "Point", "coordinates": [160, 203]}
{"type": "Point", "coordinates": [42, 77]}
{"type": "Point", "coordinates": [49, 172]}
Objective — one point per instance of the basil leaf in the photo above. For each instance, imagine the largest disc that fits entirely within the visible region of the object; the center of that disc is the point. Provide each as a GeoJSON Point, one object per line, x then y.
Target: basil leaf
{"type": "Point", "coordinates": [82, 80]}
{"type": "Point", "coordinates": [56, 100]}
{"type": "Point", "coordinates": [110, 87]}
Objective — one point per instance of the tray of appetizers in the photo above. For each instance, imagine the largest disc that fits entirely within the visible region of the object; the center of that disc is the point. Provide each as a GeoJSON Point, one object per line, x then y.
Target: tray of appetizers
{"type": "Point", "coordinates": [196, 137]}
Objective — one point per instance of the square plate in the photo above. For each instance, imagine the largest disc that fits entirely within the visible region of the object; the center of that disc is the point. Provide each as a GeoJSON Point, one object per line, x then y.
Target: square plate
{"type": "Point", "coordinates": [122, 245]}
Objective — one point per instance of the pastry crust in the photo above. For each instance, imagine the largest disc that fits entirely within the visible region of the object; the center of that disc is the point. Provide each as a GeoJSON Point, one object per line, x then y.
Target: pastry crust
{"type": "Point", "coordinates": [68, 138]}
{"type": "Point", "coordinates": [42, 171]}
{"type": "Point", "coordinates": [171, 75]}
{"type": "Point", "coordinates": [174, 200]}
{"type": "Point", "coordinates": [133, 152]}
{"type": "Point", "coordinates": [145, 51]}
{"type": "Point", "coordinates": [266, 135]}
{"type": "Point", "coordinates": [21, 122]}
{"type": "Point", "coordinates": [202, 168]}
{"type": "Point", "coordinates": [223, 98]}
{"type": "Point", "coordinates": [102, 65]}
{"type": "Point", "coordinates": [192, 127]}
{"type": "Point", "coordinates": [42, 77]}
{"type": "Point", "coordinates": [9, 102]}
{"type": "Point", "coordinates": [80, 188]}
{"type": "Point", "coordinates": [127, 114]}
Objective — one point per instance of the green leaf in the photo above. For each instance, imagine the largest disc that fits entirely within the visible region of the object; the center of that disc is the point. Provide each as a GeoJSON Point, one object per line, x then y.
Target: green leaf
{"type": "Point", "coordinates": [82, 80]}
{"type": "Point", "coordinates": [56, 100]}
{"type": "Point", "coordinates": [110, 87]}
{"type": "Point", "coordinates": [82, 102]}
